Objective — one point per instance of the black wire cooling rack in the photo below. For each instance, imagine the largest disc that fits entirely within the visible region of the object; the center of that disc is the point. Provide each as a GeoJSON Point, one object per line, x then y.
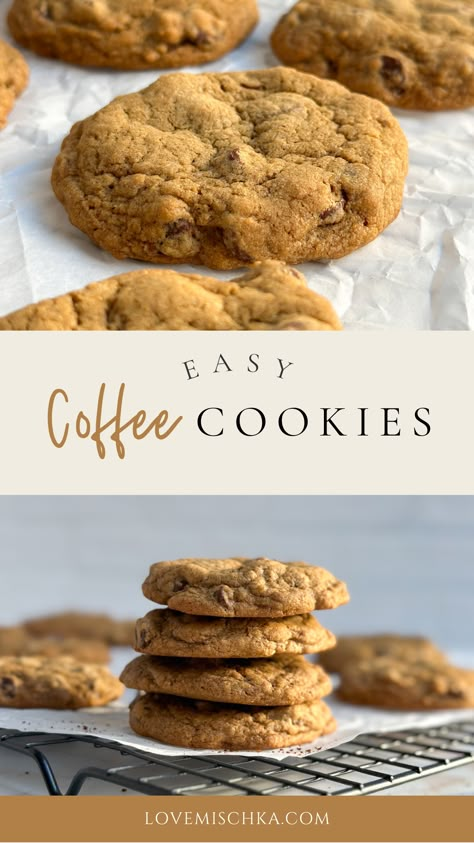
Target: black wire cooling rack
{"type": "Point", "coordinates": [364, 765]}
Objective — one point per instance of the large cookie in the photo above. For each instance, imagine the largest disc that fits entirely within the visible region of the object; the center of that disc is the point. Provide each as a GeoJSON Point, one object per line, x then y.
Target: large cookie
{"type": "Point", "coordinates": [163, 632]}
{"type": "Point", "coordinates": [132, 34]}
{"type": "Point", "coordinates": [355, 648]}
{"type": "Point", "coordinates": [13, 78]}
{"type": "Point", "coordinates": [38, 682]}
{"type": "Point", "coordinates": [16, 641]}
{"type": "Point", "coordinates": [232, 168]}
{"type": "Point", "coordinates": [282, 680]}
{"type": "Point", "coordinates": [271, 296]}
{"type": "Point", "coordinates": [407, 53]}
{"type": "Point", "coordinates": [388, 683]}
{"type": "Point", "coordinates": [207, 725]}
{"type": "Point", "coordinates": [83, 625]}
{"type": "Point", "coordinates": [243, 588]}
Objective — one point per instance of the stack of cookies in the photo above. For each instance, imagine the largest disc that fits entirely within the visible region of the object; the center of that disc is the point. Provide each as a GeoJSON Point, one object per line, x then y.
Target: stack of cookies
{"type": "Point", "coordinates": [223, 665]}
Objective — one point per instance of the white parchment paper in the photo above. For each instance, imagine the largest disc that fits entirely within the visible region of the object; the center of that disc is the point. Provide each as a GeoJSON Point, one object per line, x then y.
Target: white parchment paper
{"type": "Point", "coordinates": [111, 722]}
{"type": "Point", "coordinates": [418, 274]}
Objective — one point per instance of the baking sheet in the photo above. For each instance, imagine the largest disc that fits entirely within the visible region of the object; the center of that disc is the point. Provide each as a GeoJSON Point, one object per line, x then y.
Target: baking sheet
{"type": "Point", "coordinates": [111, 722]}
{"type": "Point", "coordinates": [416, 275]}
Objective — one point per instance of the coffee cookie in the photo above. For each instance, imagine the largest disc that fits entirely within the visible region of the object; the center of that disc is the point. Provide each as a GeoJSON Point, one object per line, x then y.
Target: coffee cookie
{"type": "Point", "coordinates": [132, 34]}
{"type": "Point", "coordinates": [35, 682]}
{"type": "Point", "coordinates": [388, 683]}
{"type": "Point", "coordinates": [409, 54]}
{"type": "Point", "coordinates": [84, 625]}
{"type": "Point", "coordinates": [14, 75]}
{"type": "Point", "coordinates": [356, 648]}
{"type": "Point", "coordinates": [243, 588]}
{"type": "Point", "coordinates": [163, 632]}
{"type": "Point", "coordinates": [16, 641]}
{"type": "Point", "coordinates": [282, 680]}
{"type": "Point", "coordinates": [232, 168]}
{"type": "Point", "coordinates": [207, 725]}
{"type": "Point", "coordinates": [269, 297]}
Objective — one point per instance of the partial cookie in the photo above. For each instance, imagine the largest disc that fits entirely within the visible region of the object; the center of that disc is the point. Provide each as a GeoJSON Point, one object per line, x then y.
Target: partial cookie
{"type": "Point", "coordinates": [282, 680]}
{"type": "Point", "coordinates": [388, 683]}
{"type": "Point", "coordinates": [14, 75]}
{"type": "Point", "coordinates": [232, 168]}
{"type": "Point", "coordinates": [243, 588]}
{"type": "Point", "coordinates": [132, 34]}
{"type": "Point", "coordinates": [269, 297]}
{"type": "Point", "coordinates": [84, 625]}
{"type": "Point", "coordinates": [16, 641]}
{"type": "Point", "coordinates": [409, 54]}
{"type": "Point", "coordinates": [207, 725]}
{"type": "Point", "coordinates": [35, 682]}
{"type": "Point", "coordinates": [356, 648]}
{"type": "Point", "coordinates": [163, 632]}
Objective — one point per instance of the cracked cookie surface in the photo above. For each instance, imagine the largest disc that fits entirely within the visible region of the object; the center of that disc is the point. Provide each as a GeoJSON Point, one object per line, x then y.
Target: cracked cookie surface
{"type": "Point", "coordinates": [62, 683]}
{"type": "Point", "coordinates": [388, 683]}
{"type": "Point", "coordinates": [243, 588]}
{"type": "Point", "coordinates": [132, 34]}
{"type": "Point", "coordinates": [233, 168]}
{"type": "Point", "coordinates": [207, 725]}
{"type": "Point", "coordinates": [83, 625]}
{"type": "Point", "coordinates": [163, 632]}
{"type": "Point", "coordinates": [407, 53]}
{"type": "Point", "coordinates": [270, 296]}
{"type": "Point", "coordinates": [355, 648]}
{"type": "Point", "coordinates": [282, 680]}
{"type": "Point", "coordinates": [16, 641]}
{"type": "Point", "coordinates": [14, 75]}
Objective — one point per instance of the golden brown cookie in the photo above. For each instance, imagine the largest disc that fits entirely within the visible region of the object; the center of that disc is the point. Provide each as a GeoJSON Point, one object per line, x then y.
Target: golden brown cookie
{"type": "Point", "coordinates": [269, 297]}
{"type": "Point", "coordinates": [163, 632]}
{"type": "Point", "coordinates": [388, 683]}
{"type": "Point", "coordinates": [229, 169]}
{"type": "Point", "coordinates": [243, 588]}
{"type": "Point", "coordinates": [207, 725]}
{"type": "Point", "coordinates": [282, 680]}
{"type": "Point", "coordinates": [407, 53]}
{"type": "Point", "coordinates": [83, 625]}
{"type": "Point", "coordinates": [14, 75]}
{"type": "Point", "coordinates": [16, 641]}
{"type": "Point", "coordinates": [355, 648]}
{"type": "Point", "coordinates": [63, 682]}
{"type": "Point", "coordinates": [132, 34]}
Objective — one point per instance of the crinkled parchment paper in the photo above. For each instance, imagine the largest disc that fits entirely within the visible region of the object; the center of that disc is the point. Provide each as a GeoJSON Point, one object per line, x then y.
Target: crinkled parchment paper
{"type": "Point", "coordinates": [111, 722]}
{"type": "Point", "coordinates": [416, 275]}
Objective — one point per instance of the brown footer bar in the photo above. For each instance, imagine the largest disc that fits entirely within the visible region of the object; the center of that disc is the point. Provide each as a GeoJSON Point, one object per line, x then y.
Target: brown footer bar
{"type": "Point", "coordinates": [141, 818]}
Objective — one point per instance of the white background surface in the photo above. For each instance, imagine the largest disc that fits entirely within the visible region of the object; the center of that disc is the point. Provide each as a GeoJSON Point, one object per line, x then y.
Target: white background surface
{"type": "Point", "coordinates": [408, 562]}
{"type": "Point", "coordinates": [417, 274]}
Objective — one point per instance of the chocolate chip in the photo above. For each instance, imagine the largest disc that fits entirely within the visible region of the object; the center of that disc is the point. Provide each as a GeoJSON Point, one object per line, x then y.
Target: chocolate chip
{"type": "Point", "coordinates": [233, 155]}
{"type": "Point", "coordinates": [180, 239]}
{"type": "Point", "coordinates": [334, 213]}
{"type": "Point", "coordinates": [230, 243]}
{"type": "Point", "coordinates": [178, 585]}
{"type": "Point", "coordinates": [7, 686]}
{"type": "Point", "coordinates": [142, 639]}
{"type": "Point", "coordinates": [202, 38]}
{"type": "Point", "coordinates": [223, 597]}
{"type": "Point", "coordinates": [178, 227]}
{"type": "Point", "coordinates": [393, 74]}
{"type": "Point", "coordinates": [331, 67]}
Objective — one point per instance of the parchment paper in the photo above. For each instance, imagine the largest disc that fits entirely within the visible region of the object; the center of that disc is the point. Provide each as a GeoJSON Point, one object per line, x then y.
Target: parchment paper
{"type": "Point", "coordinates": [111, 722]}
{"type": "Point", "coordinates": [416, 275]}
